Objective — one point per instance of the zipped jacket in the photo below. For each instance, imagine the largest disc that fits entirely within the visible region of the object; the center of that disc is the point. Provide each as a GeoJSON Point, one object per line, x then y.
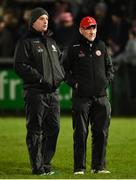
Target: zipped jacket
{"type": "Point", "coordinates": [38, 62]}
{"type": "Point", "coordinates": [89, 66]}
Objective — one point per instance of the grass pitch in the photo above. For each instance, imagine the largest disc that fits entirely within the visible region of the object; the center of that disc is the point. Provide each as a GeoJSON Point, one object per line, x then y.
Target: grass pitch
{"type": "Point", "coordinates": [121, 151]}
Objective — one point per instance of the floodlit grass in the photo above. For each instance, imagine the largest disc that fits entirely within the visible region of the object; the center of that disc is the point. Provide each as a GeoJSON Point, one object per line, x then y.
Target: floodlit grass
{"type": "Point", "coordinates": [121, 151]}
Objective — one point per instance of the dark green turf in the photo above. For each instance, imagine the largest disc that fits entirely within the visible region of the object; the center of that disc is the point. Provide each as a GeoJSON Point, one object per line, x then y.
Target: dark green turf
{"type": "Point", "coordinates": [121, 154]}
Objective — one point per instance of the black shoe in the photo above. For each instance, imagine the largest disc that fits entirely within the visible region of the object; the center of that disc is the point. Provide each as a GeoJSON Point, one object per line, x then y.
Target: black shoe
{"type": "Point", "coordinates": [38, 171]}
{"type": "Point", "coordinates": [43, 173]}
{"type": "Point", "coordinates": [48, 170]}
{"type": "Point", "coordinates": [48, 173]}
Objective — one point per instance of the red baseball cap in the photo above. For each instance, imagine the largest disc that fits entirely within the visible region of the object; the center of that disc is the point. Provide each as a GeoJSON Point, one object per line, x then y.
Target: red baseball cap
{"type": "Point", "coordinates": [87, 21]}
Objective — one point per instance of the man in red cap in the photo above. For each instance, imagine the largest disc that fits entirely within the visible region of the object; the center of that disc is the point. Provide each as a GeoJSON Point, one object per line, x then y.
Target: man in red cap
{"type": "Point", "coordinates": [89, 71]}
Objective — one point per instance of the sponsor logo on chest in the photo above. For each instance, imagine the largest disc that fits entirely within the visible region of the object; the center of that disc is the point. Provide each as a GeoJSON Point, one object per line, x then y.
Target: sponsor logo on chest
{"type": "Point", "coordinates": [39, 49]}
{"type": "Point", "coordinates": [81, 54]}
{"type": "Point", "coordinates": [37, 45]}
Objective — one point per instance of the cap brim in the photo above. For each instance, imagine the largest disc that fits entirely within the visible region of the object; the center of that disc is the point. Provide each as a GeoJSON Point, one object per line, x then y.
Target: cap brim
{"type": "Point", "coordinates": [90, 26]}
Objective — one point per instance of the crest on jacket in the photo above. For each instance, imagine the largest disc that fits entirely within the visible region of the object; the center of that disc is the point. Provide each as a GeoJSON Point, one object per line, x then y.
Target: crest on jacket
{"type": "Point", "coordinates": [98, 53]}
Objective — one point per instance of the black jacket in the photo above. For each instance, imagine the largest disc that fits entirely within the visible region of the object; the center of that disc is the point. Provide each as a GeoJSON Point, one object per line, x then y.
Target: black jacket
{"type": "Point", "coordinates": [37, 62]}
{"type": "Point", "coordinates": [88, 65]}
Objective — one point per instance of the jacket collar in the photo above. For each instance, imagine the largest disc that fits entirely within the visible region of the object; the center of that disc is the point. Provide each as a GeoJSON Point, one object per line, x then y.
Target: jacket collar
{"type": "Point", "coordinates": [33, 33]}
{"type": "Point", "coordinates": [86, 42]}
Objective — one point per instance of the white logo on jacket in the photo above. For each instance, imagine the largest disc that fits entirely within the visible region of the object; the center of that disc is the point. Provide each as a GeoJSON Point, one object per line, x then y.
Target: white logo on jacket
{"type": "Point", "coordinates": [53, 48]}
{"type": "Point", "coordinates": [76, 45]}
{"type": "Point", "coordinates": [81, 54]}
{"type": "Point", "coordinates": [98, 53]}
{"type": "Point", "coordinates": [39, 49]}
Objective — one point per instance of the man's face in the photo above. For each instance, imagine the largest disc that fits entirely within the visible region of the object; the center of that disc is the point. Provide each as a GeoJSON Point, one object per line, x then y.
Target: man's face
{"type": "Point", "coordinates": [89, 33]}
{"type": "Point", "coordinates": [41, 24]}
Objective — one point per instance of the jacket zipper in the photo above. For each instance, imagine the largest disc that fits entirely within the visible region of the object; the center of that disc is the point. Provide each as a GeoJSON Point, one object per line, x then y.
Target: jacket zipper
{"type": "Point", "coordinates": [50, 64]}
{"type": "Point", "coordinates": [93, 69]}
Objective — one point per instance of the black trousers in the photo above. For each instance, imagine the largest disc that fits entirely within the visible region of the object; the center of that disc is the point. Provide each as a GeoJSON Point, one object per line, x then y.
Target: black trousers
{"type": "Point", "coordinates": [97, 112]}
{"type": "Point", "coordinates": [42, 123]}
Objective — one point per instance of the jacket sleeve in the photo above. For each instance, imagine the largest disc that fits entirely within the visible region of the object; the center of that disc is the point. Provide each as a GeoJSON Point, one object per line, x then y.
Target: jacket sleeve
{"type": "Point", "coordinates": [23, 65]}
{"type": "Point", "coordinates": [109, 66]}
{"type": "Point", "coordinates": [68, 64]}
{"type": "Point", "coordinates": [61, 55]}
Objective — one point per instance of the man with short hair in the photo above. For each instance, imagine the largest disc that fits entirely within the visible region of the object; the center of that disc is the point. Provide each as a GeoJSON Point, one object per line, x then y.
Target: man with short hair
{"type": "Point", "coordinates": [89, 71]}
{"type": "Point", "coordinates": [37, 62]}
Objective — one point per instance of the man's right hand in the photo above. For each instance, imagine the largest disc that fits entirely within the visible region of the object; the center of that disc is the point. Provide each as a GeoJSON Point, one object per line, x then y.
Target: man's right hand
{"type": "Point", "coordinates": [48, 88]}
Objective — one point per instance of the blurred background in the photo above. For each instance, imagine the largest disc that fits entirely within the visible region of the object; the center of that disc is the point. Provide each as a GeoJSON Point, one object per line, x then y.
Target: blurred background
{"type": "Point", "coordinates": [116, 26]}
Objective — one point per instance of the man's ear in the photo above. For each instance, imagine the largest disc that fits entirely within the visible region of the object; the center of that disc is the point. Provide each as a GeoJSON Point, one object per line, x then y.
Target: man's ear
{"type": "Point", "coordinates": [80, 30]}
